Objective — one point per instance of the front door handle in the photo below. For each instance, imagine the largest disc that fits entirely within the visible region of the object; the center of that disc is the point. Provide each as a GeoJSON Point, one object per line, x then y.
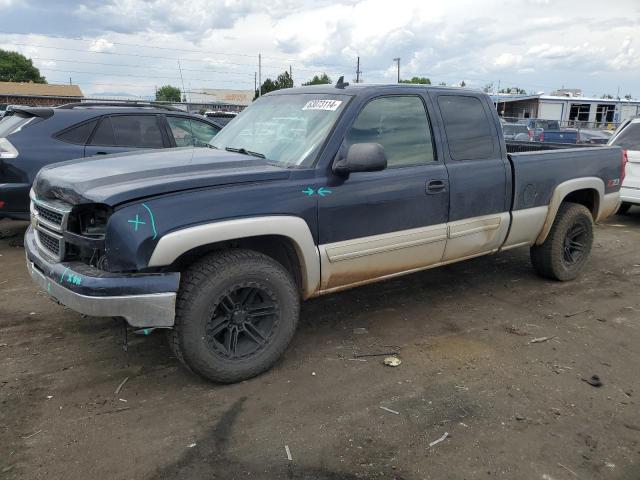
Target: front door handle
{"type": "Point", "coordinates": [436, 186]}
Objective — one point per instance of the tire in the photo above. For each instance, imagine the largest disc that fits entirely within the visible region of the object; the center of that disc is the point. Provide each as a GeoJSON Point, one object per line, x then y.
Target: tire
{"type": "Point", "coordinates": [624, 208]}
{"type": "Point", "coordinates": [566, 249]}
{"type": "Point", "coordinates": [234, 294]}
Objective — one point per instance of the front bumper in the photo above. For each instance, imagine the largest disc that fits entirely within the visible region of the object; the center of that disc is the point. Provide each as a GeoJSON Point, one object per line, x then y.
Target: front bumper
{"type": "Point", "coordinates": [143, 299]}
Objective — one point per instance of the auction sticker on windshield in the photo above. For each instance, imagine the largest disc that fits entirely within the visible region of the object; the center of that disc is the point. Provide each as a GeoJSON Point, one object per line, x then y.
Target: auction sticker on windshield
{"type": "Point", "coordinates": [330, 105]}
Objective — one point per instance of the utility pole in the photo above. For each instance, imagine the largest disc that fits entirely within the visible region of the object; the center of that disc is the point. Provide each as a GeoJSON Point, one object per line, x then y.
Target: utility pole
{"type": "Point", "coordinates": [358, 72]}
{"type": "Point", "coordinates": [72, 84]}
{"type": "Point", "coordinates": [184, 93]}
{"type": "Point", "coordinates": [397, 60]}
{"type": "Point", "coordinates": [255, 81]}
{"type": "Point", "coordinates": [259, 74]}
{"type": "Point", "coordinates": [291, 75]}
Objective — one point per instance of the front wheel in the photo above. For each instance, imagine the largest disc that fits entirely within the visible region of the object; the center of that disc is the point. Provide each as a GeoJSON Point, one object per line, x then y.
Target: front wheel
{"type": "Point", "coordinates": [568, 245]}
{"type": "Point", "coordinates": [236, 313]}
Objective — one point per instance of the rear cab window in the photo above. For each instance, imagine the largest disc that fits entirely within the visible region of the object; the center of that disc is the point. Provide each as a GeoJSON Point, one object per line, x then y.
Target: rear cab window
{"type": "Point", "coordinates": [629, 137]}
{"type": "Point", "coordinates": [467, 127]}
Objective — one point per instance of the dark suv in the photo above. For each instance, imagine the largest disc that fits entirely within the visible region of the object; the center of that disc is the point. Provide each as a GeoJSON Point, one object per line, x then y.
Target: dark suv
{"type": "Point", "coordinates": [32, 137]}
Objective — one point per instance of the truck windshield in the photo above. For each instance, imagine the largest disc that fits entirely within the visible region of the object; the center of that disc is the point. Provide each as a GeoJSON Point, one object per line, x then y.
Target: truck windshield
{"type": "Point", "coordinates": [288, 130]}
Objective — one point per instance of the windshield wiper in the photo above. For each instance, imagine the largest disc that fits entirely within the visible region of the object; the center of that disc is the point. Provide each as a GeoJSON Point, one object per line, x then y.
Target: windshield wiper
{"type": "Point", "coordinates": [244, 151]}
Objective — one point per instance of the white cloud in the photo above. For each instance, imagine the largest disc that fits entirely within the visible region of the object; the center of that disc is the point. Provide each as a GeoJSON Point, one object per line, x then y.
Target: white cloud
{"type": "Point", "coordinates": [100, 45]}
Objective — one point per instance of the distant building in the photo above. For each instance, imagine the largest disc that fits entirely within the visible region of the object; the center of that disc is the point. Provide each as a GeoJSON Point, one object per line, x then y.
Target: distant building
{"type": "Point", "coordinates": [38, 94]}
{"type": "Point", "coordinates": [218, 99]}
{"type": "Point", "coordinates": [567, 92]}
{"type": "Point", "coordinates": [569, 110]}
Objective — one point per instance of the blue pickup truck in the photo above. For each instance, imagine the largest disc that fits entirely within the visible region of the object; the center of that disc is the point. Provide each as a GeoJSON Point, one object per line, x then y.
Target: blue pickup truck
{"type": "Point", "coordinates": [307, 192]}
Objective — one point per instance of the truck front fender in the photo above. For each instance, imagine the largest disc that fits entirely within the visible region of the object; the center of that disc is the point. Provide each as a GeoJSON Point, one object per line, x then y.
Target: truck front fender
{"type": "Point", "coordinates": [174, 244]}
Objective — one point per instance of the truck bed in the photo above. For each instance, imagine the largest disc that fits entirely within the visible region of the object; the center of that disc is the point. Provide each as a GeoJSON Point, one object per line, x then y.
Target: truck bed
{"type": "Point", "coordinates": [536, 174]}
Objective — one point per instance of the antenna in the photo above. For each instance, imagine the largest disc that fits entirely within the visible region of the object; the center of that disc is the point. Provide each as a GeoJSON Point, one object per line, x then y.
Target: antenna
{"type": "Point", "coordinates": [341, 83]}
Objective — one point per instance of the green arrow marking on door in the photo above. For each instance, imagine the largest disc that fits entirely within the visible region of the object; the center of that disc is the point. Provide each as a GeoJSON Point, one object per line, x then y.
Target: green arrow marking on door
{"type": "Point", "coordinates": [324, 191]}
{"type": "Point", "coordinates": [308, 191]}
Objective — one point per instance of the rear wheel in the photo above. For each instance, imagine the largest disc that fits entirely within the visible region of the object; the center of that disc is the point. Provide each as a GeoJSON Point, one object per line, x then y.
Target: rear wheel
{"type": "Point", "coordinates": [568, 245]}
{"type": "Point", "coordinates": [237, 311]}
{"type": "Point", "coordinates": [624, 208]}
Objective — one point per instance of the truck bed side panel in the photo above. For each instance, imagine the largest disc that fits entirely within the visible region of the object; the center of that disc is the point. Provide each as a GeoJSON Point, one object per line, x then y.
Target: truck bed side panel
{"type": "Point", "coordinates": [537, 174]}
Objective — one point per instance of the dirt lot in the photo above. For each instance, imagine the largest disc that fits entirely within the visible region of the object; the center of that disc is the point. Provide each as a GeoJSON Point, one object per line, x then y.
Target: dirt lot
{"type": "Point", "coordinates": [513, 409]}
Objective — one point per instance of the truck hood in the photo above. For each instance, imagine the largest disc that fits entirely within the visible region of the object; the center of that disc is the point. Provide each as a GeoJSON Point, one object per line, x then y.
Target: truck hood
{"type": "Point", "coordinates": [114, 179]}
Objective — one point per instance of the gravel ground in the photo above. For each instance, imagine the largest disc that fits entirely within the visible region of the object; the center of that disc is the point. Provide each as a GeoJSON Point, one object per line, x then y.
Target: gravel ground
{"type": "Point", "coordinates": [512, 408]}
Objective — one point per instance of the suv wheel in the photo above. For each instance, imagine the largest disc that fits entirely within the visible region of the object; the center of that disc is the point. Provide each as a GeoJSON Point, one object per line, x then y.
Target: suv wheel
{"type": "Point", "coordinates": [624, 208]}
{"type": "Point", "coordinates": [566, 249]}
{"type": "Point", "coordinates": [236, 313]}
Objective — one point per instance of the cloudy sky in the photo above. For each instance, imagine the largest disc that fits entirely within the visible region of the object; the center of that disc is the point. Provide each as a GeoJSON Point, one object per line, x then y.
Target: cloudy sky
{"type": "Point", "coordinates": [131, 46]}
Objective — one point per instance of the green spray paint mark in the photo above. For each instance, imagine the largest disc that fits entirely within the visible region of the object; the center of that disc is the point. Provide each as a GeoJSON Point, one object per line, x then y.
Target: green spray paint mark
{"type": "Point", "coordinates": [322, 191]}
{"type": "Point", "coordinates": [308, 191]}
{"type": "Point", "coordinates": [153, 222]}
{"type": "Point", "coordinates": [63, 274]}
{"type": "Point", "coordinates": [136, 222]}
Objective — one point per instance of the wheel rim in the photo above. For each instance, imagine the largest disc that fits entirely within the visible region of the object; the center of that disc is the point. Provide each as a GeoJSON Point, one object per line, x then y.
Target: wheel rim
{"type": "Point", "coordinates": [243, 321]}
{"type": "Point", "coordinates": [575, 244]}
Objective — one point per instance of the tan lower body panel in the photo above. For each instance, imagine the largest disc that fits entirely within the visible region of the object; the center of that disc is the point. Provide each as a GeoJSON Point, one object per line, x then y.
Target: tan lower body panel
{"type": "Point", "coordinates": [364, 260]}
{"type": "Point", "coordinates": [355, 261]}
{"type": "Point", "coordinates": [475, 236]}
{"type": "Point", "coordinates": [526, 225]}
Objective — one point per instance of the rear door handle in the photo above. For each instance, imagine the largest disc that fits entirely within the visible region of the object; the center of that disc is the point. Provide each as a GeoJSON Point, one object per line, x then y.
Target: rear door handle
{"type": "Point", "coordinates": [436, 186]}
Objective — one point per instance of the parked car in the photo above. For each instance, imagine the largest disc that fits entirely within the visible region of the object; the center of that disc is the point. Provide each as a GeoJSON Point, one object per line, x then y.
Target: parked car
{"type": "Point", "coordinates": [310, 191]}
{"type": "Point", "coordinates": [594, 137]}
{"type": "Point", "coordinates": [221, 117]}
{"type": "Point", "coordinates": [515, 131]}
{"type": "Point", "coordinates": [537, 127]}
{"type": "Point", "coordinates": [566, 135]}
{"type": "Point", "coordinates": [628, 137]}
{"type": "Point", "coordinates": [32, 137]}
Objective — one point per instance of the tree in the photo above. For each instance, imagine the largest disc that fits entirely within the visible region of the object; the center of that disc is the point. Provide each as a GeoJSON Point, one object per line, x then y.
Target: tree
{"type": "Point", "coordinates": [418, 80]}
{"type": "Point", "coordinates": [487, 88]}
{"type": "Point", "coordinates": [517, 90]}
{"type": "Point", "coordinates": [463, 83]}
{"type": "Point", "coordinates": [168, 93]}
{"type": "Point", "coordinates": [284, 80]}
{"type": "Point", "coordinates": [319, 80]}
{"type": "Point", "coordinates": [628, 96]}
{"type": "Point", "coordinates": [15, 67]}
{"type": "Point", "coordinates": [443, 84]}
{"type": "Point", "coordinates": [607, 96]}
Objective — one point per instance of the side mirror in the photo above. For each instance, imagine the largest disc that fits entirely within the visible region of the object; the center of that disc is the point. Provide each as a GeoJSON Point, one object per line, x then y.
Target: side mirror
{"type": "Point", "coordinates": [361, 157]}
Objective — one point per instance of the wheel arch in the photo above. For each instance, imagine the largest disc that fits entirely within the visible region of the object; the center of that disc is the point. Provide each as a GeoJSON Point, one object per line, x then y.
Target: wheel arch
{"type": "Point", "coordinates": [588, 191]}
{"type": "Point", "coordinates": [287, 239]}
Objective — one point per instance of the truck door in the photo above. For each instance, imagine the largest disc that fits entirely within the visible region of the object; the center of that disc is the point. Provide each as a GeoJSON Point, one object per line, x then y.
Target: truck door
{"type": "Point", "coordinates": [479, 175]}
{"type": "Point", "coordinates": [377, 224]}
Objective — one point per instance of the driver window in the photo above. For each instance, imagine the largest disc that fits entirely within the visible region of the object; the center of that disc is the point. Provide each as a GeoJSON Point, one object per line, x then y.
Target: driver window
{"type": "Point", "coordinates": [400, 124]}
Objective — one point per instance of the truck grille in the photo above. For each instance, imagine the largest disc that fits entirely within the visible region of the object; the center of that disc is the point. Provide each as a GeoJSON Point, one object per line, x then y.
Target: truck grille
{"type": "Point", "coordinates": [49, 219]}
{"type": "Point", "coordinates": [49, 242]}
{"type": "Point", "coordinates": [49, 215]}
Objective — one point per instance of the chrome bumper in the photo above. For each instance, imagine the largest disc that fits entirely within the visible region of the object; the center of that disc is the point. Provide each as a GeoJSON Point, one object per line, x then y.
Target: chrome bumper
{"type": "Point", "coordinates": [150, 310]}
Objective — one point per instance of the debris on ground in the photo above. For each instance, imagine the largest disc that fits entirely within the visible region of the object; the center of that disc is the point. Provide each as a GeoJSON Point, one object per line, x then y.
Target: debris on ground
{"type": "Point", "coordinates": [567, 469]}
{"type": "Point", "coordinates": [569, 315]}
{"type": "Point", "coordinates": [594, 381]}
{"type": "Point", "coordinates": [389, 410]}
{"type": "Point", "coordinates": [513, 330]}
{"type": "Point", "coordinates": [381, 354]}
{"type": "Point", "coordinates": [441, 439]}
{"type": "Point", "coordinates": [520, 417]}
{"type": "Point", "coordinates": [360, 331]}
{"type": "Point", "coordinates": [392, 361]}
{"type": "Point", "coordinates": [541, 339]}
{"type": "Point", "coordinates": [121, 385]}
{"type": "Point", "coordinates": [286, 449]}
{"type": "Point", "coordinates": [32, 435]}
{"type": "Point", "coordinates": [191, 445]}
